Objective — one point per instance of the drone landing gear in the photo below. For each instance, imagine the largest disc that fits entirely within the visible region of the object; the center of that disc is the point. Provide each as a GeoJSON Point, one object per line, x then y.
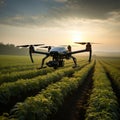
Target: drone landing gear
{"type": "Point", "coordinates": [43, 60]}
{"type": "Point", "coordinates": [75, 61]}
{"type": "Point", "coordinates": [90, 56]}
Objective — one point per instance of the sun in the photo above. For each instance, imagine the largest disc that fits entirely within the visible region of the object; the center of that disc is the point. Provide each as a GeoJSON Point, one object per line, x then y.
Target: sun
{"type": "Point", "coordinates": [76, 36]}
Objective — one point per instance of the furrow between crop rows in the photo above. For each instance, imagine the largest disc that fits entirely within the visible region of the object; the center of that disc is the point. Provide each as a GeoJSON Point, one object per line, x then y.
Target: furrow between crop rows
{"type": "Point", "coordinates": [74, 105]}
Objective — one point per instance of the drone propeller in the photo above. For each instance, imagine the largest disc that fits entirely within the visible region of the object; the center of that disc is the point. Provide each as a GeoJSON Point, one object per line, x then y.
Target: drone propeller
{"type": "Point", "coordinates": [31, 49]}
{"type": "Point", "coordinates": [29, 45]}
{"type": "Point", "coordinates": [22, 46]}
{"type": "Point", "coordinates": [83, 43]}
{"type": "Point", "coordinates": [47, 46]}
{"type": "Point", "coordinates": [38, 44]}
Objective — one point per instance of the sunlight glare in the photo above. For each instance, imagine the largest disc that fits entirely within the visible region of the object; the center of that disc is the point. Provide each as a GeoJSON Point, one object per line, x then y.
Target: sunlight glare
{"type": "Point", "coordinates": [76, 36]}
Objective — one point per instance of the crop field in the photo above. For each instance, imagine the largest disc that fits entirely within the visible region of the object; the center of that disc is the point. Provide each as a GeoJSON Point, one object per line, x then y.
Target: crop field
{"type": "Point", "coordinates": [90, 91]}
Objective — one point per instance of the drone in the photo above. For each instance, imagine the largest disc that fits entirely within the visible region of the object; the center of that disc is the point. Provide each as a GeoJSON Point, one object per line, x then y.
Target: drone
{"type": "Point", "coordinates": [58, 54]}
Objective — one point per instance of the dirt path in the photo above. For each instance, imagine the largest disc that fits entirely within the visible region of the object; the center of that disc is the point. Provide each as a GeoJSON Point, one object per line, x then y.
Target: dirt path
{"type": "Point", "coordinates": [74, 106]}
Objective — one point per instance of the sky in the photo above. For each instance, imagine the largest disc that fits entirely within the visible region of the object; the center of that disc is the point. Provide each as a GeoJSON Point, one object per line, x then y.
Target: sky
{"type": "Point", "coordinates": [61, 22]}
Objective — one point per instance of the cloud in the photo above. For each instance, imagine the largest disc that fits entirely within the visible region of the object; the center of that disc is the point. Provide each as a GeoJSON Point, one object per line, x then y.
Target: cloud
{"type": "Point", "coordinates": [60, 1]}
{"type": "Point", "coordinates": [51, 13]}
{"type": "Point", "coordinates": [114, 16]}
{"type": "Point", "coordinates": [89, 8]}
{"type": "Point", "coordinates": [2, 3]}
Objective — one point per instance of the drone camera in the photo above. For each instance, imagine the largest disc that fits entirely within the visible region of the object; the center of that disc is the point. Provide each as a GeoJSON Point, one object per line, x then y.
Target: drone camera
{"type": "Point", "coordinates": [52, 64]}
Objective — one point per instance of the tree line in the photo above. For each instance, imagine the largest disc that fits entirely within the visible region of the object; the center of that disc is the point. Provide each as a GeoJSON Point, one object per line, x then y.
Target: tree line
{"type": "Point", "coordinates": [11, 49]}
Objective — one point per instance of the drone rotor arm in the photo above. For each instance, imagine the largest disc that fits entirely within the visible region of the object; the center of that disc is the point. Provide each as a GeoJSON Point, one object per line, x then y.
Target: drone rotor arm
{"type": "Point", "coordinates": [43, 53]}
{"type": "Point", "coordinates": [78, 51]}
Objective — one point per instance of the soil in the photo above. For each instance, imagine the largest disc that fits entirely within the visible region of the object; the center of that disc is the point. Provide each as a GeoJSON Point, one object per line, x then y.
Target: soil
{"type": "Point", "coordinates": [75, 105]}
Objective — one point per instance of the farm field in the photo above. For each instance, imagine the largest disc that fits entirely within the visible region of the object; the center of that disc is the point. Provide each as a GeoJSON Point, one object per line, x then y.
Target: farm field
{"type": "Point", "coordinates": [90, 91]}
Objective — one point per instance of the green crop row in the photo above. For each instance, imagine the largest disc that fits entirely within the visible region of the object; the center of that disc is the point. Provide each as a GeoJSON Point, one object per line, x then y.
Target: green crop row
{"type": "Point", "coordinates": [17, 68]}
{"type": "Point", "coordinates": [48, 101]}
{"type": "Point", "coordinates": [14, 76]}
{"type": "Point", "coordinates": [25, 86]}
{"type": "Point", "coordinates": [11, 77]}
{"type": "Point", "coordinates": [114, 73]}
{"type": "Point", "coordinates": [103, 103]}
{"type": "Point", "coordinates": [112, 61]}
